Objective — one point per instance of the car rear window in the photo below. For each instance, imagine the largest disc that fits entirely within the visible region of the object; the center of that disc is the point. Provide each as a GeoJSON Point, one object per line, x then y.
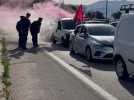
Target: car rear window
{"type": "Point", "coordinates": [68, 24]}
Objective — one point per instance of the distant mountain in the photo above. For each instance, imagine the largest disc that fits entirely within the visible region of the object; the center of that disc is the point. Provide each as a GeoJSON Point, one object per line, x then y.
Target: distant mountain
{"type": "Point", "coordinates": [113, 6]}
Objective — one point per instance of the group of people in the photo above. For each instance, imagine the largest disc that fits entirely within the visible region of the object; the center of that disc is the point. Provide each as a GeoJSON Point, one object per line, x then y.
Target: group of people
{"type": "Point", "coordinates": [23, 26]}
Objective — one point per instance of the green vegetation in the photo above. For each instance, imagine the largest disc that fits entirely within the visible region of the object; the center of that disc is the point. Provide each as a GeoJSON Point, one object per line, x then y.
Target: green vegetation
{"type": "Point", "coordinates": [116, 15]}
{"type": "Point", "coordinates": [6, 63]}
{"type": "Point", "coordinates": [95, 15]}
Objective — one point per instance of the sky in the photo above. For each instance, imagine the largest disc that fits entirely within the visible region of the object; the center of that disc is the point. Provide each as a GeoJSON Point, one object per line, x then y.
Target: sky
{"type": "Point", "coordinates": [83, 1]}
{"type": "Point", "coordinates": [78, 1]}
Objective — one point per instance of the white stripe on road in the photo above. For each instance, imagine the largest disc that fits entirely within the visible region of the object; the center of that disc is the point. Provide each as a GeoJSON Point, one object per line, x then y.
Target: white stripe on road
{"type": "Point", "coordinates": [83, 78]}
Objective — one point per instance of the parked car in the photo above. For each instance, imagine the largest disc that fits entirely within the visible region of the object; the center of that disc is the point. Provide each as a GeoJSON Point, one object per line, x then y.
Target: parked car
{"type": "Point", "coordinates": [95, 41]}
{"type": "Point", "coordinates": [77, 28]}
{"type": "Point", "coordinates": [124, 47]}
{"type": "Point", "coordinates": [114, 23]}
{"type": "Point", "coordinates": [96, 22]}
{"type": "Point", "coordinates": [64, 28]}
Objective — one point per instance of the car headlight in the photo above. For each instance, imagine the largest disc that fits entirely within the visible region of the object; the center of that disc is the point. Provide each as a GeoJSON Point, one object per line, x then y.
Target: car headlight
{"type": "Point", "coordinates": [97, 44]}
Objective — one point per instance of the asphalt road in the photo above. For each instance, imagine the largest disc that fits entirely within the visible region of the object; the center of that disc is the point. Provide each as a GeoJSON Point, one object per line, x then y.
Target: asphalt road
{"type": "Point", "coordinates": [42, 78]}
{"type": "Point", "coordinates": [36, 76]}
{"type": "Point", "coordinates": [101, 72]}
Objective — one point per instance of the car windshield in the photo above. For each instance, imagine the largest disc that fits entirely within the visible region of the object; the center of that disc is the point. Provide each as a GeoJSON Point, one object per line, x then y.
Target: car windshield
{"type": "Point", "coordinates": [101, 30]}
{"type": "Point", "coordinates": [68, 24]}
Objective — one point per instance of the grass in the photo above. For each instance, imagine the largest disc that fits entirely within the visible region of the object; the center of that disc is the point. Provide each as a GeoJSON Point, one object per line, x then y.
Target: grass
{"type": "Point", "coordinates": [6, 64]}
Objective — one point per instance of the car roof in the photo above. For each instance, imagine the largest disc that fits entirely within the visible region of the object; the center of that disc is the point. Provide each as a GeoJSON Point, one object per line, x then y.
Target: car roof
{"type": "Point", "coordinates": [66, 18]}
{"type": "Point", "coordinates": [95, 21]}
{"type": "Point", "coordinates": [95, 25]}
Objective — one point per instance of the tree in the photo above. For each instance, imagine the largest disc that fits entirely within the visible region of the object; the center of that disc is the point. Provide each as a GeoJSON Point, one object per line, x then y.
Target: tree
{"type": "Point", "coordinates": [96, 15]}
{"type": "Point", "coordinates": [89, 15]}
{"type": "Point", "coordinates": [3, 1]}
{"type": "Point", "coordinates": [116, 15]}
{"type": "Point", "coordinates": [37, 1]}
{"type": "Point", "coordinates": [99, 15]}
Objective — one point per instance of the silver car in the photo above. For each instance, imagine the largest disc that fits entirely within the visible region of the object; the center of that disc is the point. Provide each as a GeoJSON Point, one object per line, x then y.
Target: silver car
{"type": "Point", "coordinates": [95, 41]}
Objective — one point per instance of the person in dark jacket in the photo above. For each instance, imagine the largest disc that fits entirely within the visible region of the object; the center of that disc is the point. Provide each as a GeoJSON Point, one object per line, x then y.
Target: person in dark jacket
{"type": "Point", "coordinates": [19, 28]}
{"type": "Point", "coordinates": [35, 29]}
{"type": "Point", "coordinates": [26, 26]}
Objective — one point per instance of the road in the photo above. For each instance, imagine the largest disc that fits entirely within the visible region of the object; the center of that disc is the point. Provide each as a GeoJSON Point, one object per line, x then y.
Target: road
{"type": "Point", "coordinates": [42, 78]}
{"type": "Point", "coordinates": [101, 72]}
{"type": "Point", "coordinates": [36, 76]}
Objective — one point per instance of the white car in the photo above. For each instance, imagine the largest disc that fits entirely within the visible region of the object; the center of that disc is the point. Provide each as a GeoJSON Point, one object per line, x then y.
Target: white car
{"type": "Point", "coordinates": [93, 41]}
{"type": "Point", "coordinates": [114, 23]}
{"type": "Point", "coordinates": [124, 47]}
{"type": "Point", "coordinates": [64, 28]}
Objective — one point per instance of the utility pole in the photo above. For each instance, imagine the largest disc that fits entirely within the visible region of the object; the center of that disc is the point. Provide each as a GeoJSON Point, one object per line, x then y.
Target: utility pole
{"type": "Point", "coordinates": [106, 8]}
{"type": "Point", "coordinates": [60, 5]}
{"type": "Point", "coordinates": [81, 2]}
{"type": "Point", "coordinates": [63, 3]}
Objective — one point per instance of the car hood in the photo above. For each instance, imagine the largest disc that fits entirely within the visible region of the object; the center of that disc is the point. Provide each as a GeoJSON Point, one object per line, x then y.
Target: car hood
{"type": "Point", "coordinates": [106, 40]}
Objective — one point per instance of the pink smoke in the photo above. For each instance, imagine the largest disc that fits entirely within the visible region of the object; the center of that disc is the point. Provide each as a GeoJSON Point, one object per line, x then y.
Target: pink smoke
{"type": "Point", "coordinates": [47, 10]}
{"type": "Point", "coordinates": [50, 9]}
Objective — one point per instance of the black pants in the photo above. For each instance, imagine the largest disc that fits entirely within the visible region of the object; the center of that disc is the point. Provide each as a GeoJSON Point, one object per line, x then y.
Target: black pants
{"type": "Point", "coordinates": [20, 42]}
{"type": "Point", "coordinates": [24, 39]}
{"type": "Point", "coordinates": [35, 39]}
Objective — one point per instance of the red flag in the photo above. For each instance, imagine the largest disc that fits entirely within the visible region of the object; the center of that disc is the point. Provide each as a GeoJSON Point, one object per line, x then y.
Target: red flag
{"type": "Point", "coordinates": [79, 15]}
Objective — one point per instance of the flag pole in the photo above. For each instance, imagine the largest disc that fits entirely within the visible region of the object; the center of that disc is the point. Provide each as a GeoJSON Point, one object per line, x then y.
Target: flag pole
{"type": "Point", "coordinates": [63, 2]}
{"type": "Point", "coordinates": [81, 2]}
{"type": "Point", "coordinates": [59, 9]}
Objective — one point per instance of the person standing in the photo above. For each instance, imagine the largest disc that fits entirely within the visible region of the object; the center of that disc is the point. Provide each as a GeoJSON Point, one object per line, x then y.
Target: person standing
{"type": "Point", "coordinates": [26, 26]}
{"type": "Point", "coordinates": [35, 30]}
{"type": "Point", "coordinates": [19, 28]}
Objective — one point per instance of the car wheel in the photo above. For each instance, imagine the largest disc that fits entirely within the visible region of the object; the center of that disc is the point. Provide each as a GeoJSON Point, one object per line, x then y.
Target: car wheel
{"type": "Point", "coordinates": [121, 70]}
{"type": "Point", "coordinates": [88, 54]}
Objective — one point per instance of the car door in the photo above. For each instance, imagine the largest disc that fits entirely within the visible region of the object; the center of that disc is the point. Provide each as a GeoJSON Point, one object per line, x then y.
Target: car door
{"type": "Point", "coordinates": [129, 44]}
{"type": "Point", "coordinates": [126, 43]}
{"type": "Point", "coordinates": [76, 38]}
{"type": "Point", "coordinates": [131, 57]}
{"type": "Point", "coordinates": [81, 41]}
{"type": "Point", "coordinates": [58, 33]}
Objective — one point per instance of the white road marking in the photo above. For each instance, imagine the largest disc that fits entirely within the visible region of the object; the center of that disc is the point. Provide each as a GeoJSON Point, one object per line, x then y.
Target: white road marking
{"type": "Point", "coordinates": [99, 90]}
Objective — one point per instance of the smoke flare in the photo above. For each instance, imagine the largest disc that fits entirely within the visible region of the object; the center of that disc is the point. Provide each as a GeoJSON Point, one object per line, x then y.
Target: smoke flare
{"type": "Point", "coordinates": [9, 15]}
